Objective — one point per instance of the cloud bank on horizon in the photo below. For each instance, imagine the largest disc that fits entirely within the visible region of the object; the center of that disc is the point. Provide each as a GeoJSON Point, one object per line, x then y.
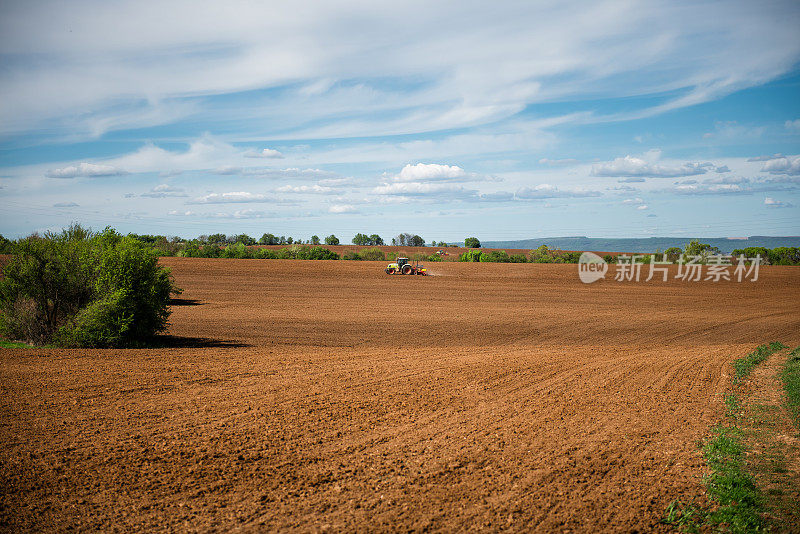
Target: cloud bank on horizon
{"type": "Point", "coordinates": [515, 120]}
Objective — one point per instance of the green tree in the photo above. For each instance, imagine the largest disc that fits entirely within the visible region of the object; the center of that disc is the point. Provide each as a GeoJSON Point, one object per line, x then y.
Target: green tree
{"type": "Point", "coordinates": [331, 240]}
{"type": "Point", "coordinates": [77, 288]}
{"type": "Point", "coordinates": [244, 239]}
{"type": "Point", "coordinates": [361, 239]}
{"type": "Point", "coordinates": [315, 240]}
{"type": "Point", "coordinates": [216, 239]}
{"type": "Point", "coordinates": [703, 250]}
{"type": "Point", "coordinates": [472, 242]}
{"type": "Point", "coordinates": [673, 253]}
{"type": "Point", "coordinates": [471, 256]}
{"type": "Point", "coordinates": [376, 240]}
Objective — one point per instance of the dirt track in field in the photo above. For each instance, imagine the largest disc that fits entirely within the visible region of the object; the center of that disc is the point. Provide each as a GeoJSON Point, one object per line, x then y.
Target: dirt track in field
{"type": "Point", "coordinates": [314, 396]}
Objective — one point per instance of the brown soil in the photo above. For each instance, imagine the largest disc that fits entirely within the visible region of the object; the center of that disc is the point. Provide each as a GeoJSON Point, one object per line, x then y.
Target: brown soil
{"type": "Point", "coordinates": [314, 395]}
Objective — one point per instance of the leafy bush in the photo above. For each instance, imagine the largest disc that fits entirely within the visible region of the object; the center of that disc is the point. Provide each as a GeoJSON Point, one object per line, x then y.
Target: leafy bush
{"type": "Point", "coordinates": [265, 254]}
{"type": "Point", "coordinates": [704, 250]}
{"type": "Point", "coordinates": [545, 255]}
{"type": "Point", "coordinates": [518, 258]}
{"type": "Point", "coordinates": [471, 255]}
{"type": "Point", "coordinates": [316, 253]}
{"type": "Point", "coordinates": [5, 245]}
{"type": "Point", "coordinates": [784, 256]}
{"type": "Point", "coordinates": [673, 253]}
{"type": "Point", "coordinates": [372, 254]}
{"type": "Point", "coordinates": [472, 242]}
{"type": "Point", "coordinates": [331, 240]}
{"type": "Point", "coordinates": [434, 257]}
{"type": "Point", "coordinates": [299, 253]}
{"type": "Point", "coordinates": [102, 323]}
{"type": "Point", "coordinates": [238, 250]}
{"type": "Point", "coordinates": [77, 288]}
{"type": "Point", "coordinates": [496, 256]}
{"type": "Point", "coordinates": [351, 255]}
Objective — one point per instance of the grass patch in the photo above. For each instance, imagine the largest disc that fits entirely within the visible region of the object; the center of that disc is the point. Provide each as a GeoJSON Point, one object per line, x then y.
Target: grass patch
{"type": "Point", "coordinates": [737, 504]}
{"type": "Point", "coordinates": [14, 345]}
{"type": "Point", "coordinates": [740, 504]}
{"type": "Point", "coordinates": [744, 366]}
{"type": "Point", "coordinates": [790, 376]}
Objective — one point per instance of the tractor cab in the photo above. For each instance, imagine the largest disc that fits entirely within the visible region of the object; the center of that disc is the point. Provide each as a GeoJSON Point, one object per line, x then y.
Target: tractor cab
{"type": "Point", "coordinates": [401, 262]}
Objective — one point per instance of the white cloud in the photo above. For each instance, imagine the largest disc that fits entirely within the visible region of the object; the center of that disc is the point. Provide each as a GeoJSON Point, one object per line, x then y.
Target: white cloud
{"type": "Point", "coordinates": [311, 189]}
{"type": "Point", "coordinates": [267, 153]}
{"type": "Point", "coordinates": [342, 208]}
{"type": "Point", "coordinates": [622, 188]}
{"type": "Point", "coordinates": [558, 162]}
{"type": "Point", "coordinates": [241, 214]}
{"type": "Point", "coordinates": [632, 201]}
{"type": "Point", "coordinates": [165, 190]}
{"type": "Point", "coordinates": [642, 207]}
{"type": "Point", "coordinates": [85, 170]}
{"type": "Point", "coordinates": [793, 126]}
{"type": "Point", "coordinates": [551, 191]}
{"type": "Point", "coordinates": [232, 198]}
{"type": "Point", "coordinates": [433, 172]}
{"type": "Point", "coordinates": [765, 158]}
{"type": "Point", "coordinates": [632, 166]}
{"type": "Point", "coordinates": [228, 170]}
{"type": "Point", "coordinates": [499, 196]}
{"type": "Point", "coordinates": [423, 189]}
{"type": "Point", "coordinates": [276, 174]}
{"type": "Point", "coordinates": [338, 182]}
{"type": "Point", "coordinates": [487, 65]}
{"type": "Point", "coordinates": [713, 189]}
{"type": "Point", "coordinates": [238, 214]}
{"type": "Point", "coordinates": [787, 165]}
{"type": "Point", "coordinates": [65, 205]}
{"type": "Point", "coordinates": [723, 180]}
{"type": "Point", "coordinates": [773, 203]}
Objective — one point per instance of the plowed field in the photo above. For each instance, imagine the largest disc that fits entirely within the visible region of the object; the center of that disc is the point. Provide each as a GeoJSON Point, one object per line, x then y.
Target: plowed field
{"type": "Point", "coordinates": [315, 395]}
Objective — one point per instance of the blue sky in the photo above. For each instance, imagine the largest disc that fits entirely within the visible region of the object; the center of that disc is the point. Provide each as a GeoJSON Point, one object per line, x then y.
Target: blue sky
{"type": "Point", "coordinates": [505, 120]}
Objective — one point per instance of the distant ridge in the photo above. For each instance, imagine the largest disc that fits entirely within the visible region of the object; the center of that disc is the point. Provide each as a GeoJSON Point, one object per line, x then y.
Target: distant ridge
{"type": "Point", "coordinates": [644, 244]}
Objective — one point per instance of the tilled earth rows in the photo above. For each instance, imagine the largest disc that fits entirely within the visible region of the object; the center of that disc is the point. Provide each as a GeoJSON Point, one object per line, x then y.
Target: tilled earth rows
{"type": "Point", "coordinates": [315, 395]}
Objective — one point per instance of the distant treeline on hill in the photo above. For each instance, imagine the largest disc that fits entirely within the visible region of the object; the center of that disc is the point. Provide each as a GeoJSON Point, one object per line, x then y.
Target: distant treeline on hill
{"type": "Point", "coordinates": [646, 244]}
{"type": "Point", "coordinates": [243, 246]}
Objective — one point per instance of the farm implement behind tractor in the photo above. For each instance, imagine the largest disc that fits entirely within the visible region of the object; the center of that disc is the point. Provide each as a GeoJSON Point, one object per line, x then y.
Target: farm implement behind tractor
{"type": "Point", "coordinates": [404, 267]}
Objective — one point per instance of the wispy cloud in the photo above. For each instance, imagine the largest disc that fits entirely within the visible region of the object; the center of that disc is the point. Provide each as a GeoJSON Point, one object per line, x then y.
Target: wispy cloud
{"type": "Point", "coordinates": [85, 170]}
{"type": "Point", "coordinates": [267, 153]}
{"type": "Point", "coordinates": [235, 215]}
{"type": "Point", "coordinates": [234, 197]}
{"type": "Point", "coordinates": [164, 191]}
{"type": "Point", "coordinates": [315, 189]}
{"type": "Point", "coordinates": [486, 67]}
{"type": "Point", "coordinates": [774, 203]}
{"type": "Point", "coordinates": [551, 191]}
